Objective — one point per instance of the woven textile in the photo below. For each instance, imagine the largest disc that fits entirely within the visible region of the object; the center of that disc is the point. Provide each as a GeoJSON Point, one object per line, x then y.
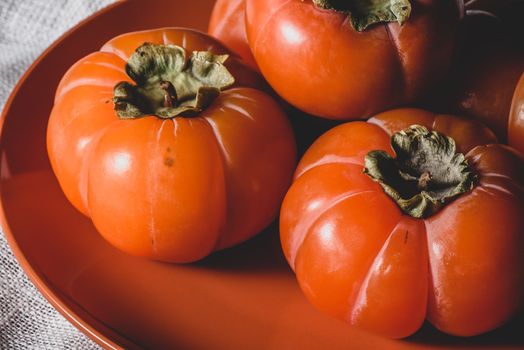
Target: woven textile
{"type": "Point", "coordinates": [27, 27]}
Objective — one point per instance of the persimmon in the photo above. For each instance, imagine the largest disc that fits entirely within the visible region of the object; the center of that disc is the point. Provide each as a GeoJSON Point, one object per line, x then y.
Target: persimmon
{"type": "Point", "coordinates": [165, 141]}
{"type": "Point", "coordinates": [348, 60]}
{"type": "Point", "coordinates": [228, 24]}
{"type": "Point", "coordinates": [516, 117]}
{"type": "Point", "coordinates": [406, 217]}
{"type": "Point", "coordinates": [487, 66]}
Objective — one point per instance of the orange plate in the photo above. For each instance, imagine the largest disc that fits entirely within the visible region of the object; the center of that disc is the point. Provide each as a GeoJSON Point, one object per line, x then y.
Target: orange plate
{"type": "Point", "coordinates": [241, 298]}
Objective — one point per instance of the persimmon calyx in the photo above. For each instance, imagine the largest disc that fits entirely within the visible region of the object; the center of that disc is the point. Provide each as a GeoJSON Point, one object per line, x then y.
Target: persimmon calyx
{"type": "Point", "coordinates": [426, 174]}
{"type": "Point", "coordinates": [364, 13]}
{"type": "Point", "coordinates": [167, 84]}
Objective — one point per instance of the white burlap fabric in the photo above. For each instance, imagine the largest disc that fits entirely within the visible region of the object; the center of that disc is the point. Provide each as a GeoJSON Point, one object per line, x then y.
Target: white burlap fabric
{"type": "Point", "coordinates": [27, 27]}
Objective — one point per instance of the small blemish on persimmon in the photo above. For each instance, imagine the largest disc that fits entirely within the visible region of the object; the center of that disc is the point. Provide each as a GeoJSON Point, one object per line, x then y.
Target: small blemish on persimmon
{"type": "Point", "coordinates": [169, 161]}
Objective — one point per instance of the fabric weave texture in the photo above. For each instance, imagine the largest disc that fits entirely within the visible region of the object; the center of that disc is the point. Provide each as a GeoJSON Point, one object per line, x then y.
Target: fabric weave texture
{"type": "Point", "coordinates": [27, 27]}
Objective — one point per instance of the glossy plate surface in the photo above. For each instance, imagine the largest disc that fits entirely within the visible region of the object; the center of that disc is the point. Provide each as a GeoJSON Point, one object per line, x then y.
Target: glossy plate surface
{"type": "Point", "coordinates": [242, 298]}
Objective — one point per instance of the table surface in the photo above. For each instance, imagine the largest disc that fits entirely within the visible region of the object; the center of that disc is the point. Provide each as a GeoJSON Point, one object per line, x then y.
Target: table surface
{"type": "Point", "coordinates": [27, 27]}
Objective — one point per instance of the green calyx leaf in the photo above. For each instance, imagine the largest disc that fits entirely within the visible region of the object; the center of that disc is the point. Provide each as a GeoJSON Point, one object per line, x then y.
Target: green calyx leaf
{"type": "Point", "coordinates": [364, 13]}
{"type": "Point", "coordinates": [167, 84]}
{"type": "Point", "coordinates": [426, 174]}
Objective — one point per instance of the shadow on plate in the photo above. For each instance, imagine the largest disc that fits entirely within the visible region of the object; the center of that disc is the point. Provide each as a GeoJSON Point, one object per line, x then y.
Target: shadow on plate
{"type": "Point", "coordinates": [259, 254]}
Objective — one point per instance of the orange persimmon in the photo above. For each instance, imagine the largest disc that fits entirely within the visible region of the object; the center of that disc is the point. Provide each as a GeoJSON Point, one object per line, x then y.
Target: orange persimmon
{"type": "Point", "coordinates": [516, 117]}
{"type": "Point", "coordinates": [487, 66]}
{"type": "Point", "coordinates": [228, 24]}
{"type": "Point", "coordinates": [348, 60]}
{"type": "Point", "coordinates": [406, 217]}
{"type": "Point", "coordinates": [165, 140]}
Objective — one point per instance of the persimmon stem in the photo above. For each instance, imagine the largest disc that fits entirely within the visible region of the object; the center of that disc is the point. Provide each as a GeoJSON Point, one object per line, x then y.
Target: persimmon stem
{"type": "Point", "coordinates": [470, 2]}
{"type": "Point", "coordinates": [170, 96]}
{"type": "Point", "coordinates": [167, 84]}
{"type": "Point", "coordinates": [426, 173]}
{"type": "Point", "coordinates": [481, 13]}
{"type": "Point", "coordinates": [364, 13]}
{"type": "Point", "coordinates": [476, 12]}
{"type": "Point", "coordinates": [424, 181]}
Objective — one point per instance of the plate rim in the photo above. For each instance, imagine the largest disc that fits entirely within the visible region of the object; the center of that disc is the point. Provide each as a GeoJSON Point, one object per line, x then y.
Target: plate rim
{"type": "Point", "coordinates": [35, 277]}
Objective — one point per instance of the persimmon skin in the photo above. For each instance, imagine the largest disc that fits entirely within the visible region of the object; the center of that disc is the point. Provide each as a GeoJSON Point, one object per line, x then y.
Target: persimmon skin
{"type": "Point", "coordinates": [516, 117]}
{"type": "Point", "coordinates": [488, 64]}
{"type": "Point", "coordinates": [485, 85]}
{"type": "Point", "coordinates": [175, 189]}
{"type": "Point", "coordinates": [476, 248]}
{"type": "Point", "coordinates": [357, 257]}
{"type": "Point", "coordinates": [228, 24]}
{"type": "Point", "coordinates": [317, 62]}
